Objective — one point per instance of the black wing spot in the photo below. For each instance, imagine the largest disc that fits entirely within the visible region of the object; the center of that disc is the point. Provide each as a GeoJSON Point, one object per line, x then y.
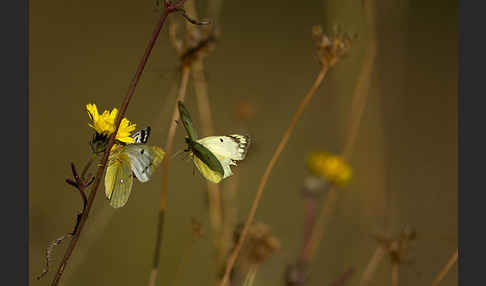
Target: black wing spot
{"type": "Point", "coordinates": [221, 139]}
{"type": "Point", "coordinates": [141, 151]}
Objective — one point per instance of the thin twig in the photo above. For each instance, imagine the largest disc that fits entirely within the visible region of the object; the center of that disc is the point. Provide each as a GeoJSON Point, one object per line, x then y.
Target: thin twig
{"type": "Point", "coordinates": [394, 273]}
{"type": "Point", "coordinates": [269, 169]}
{"type": "Point", "coordinates": [359, 100]}
{"type": "Point", "coordinates": [447, 268]}
{"type": "Point", "coordinates": [372, 265]}
{"type": "Point", "coordinates": [169, 9]}
{"type": "Point", "coordinates": [165, 175]}
{"type": "Point", "coordinates": [86, 168]}
{"type": "Point", "coordinates": [345, 277]}
{"type": "Point", "coordinates": [230, 213]}
{"type": "Point", "coordinates": [48, 254]}
{"type": "Point", "coordinates": [196, 234]}
{"type": "Point", "coordinates": [214, 190]}
{"type": "Point", "coordinates": [250, 275]}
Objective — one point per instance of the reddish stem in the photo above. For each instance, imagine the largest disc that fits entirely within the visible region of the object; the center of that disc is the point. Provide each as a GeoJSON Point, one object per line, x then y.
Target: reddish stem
{"type": "Point", "coordinates": [169, 8]}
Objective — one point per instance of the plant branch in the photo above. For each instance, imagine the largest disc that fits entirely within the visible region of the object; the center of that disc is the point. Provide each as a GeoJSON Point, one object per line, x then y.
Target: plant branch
{"type": "Point", "coordinates": [394, 273]}
{"type": "Point", "coordinates": [268, 170]}
{"type": "Point", "coordinates": [165, 175]}
{"type": "Point", "coordinates": [317, 233]}
{"type": "Point", "coordinates": [345, 277]}
{"type": "Point", "coordinates": [214, 190]}
{"type": "Point", "coordinates": [372, 265]}
{"type": "Point", "coordinates": [446, 269]}
{"type": "Point", "coordinates": [169, 9]}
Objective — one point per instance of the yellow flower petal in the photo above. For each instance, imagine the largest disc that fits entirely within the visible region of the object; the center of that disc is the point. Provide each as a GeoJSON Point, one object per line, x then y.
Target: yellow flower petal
{"type": "Point", "coordinates": [105, 123]}
{"type": "Point", "coordinates": [92, 111]}
{"type": "Point", "coordinates": [331, 167]}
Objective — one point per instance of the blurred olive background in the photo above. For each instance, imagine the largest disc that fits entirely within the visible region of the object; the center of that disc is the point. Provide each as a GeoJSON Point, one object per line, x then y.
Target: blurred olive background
{"type": "Point", "coordinates": [405, 159]}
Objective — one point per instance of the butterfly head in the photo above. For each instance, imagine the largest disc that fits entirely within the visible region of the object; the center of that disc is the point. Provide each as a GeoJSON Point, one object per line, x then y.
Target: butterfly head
{"type": "Point", "coordinates": [189, 143]}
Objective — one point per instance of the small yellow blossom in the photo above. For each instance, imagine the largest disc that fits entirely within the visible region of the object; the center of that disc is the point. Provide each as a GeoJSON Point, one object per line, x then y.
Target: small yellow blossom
{"type": "Point", "coordinates": [329, 166]}
{"type": "Point", "coordinates": [104, 124]}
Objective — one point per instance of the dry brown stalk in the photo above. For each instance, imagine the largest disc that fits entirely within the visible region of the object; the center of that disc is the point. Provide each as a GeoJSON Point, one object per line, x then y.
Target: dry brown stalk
{"type": "Point", "coordinates": [207, 127]}
{"type": "Point", "coordinates": [197, 233]}
{"type": "Point", "coordinates": [452, 260]}
{"type": "Point", "coordinates": [359, 100]}
{"type": "Point", "coordinates": [268, 170]}
{"type": "Point", "coordinates": [372, 265]}
{"type": "Point", "coordinates": [165, 174]}
{"type": "Point", "coordinates": [394, 273]}
{"type": "Point", "coordinates": [230, 211]}
{"type": "Point", "coordinates": [318, 230]}
{"type": "Point", "coordinates": [214, 190]}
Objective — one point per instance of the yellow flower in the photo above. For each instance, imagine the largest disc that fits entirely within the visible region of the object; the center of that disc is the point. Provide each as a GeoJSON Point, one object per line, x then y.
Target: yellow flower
{"type": "Point", "coordinates": [329, 166]}
{"type": "Point", "coordinates": [104, 124]}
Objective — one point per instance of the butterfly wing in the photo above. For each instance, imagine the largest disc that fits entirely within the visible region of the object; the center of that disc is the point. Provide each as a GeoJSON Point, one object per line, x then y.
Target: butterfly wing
{"type": "Point", "coordinates": [141, 136]}
{"type": "Point", "coordinates": [207, 163]}
{"type": "Point", "coordinates": [227, 149]}
{"type": "Point", "coordinates": [187, 121]}
{"type": "Point", "coordinates": [144, 159]}
{"type": "Point", "coordinates": [204, 169]}
{"type": "Point", "coordinates": [234, 147]}
{"type": "Point", "coordinates": [118, 179]}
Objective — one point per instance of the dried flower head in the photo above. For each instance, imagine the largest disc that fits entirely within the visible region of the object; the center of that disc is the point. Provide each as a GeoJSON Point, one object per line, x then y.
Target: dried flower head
{"type": "Point", "coordinates": [397, 246]}
{"type": "Point", "coordinates": [259, 244]}
{"type": "Point", "coordinates": [331, 167]}
{"type": "Point", "coordinates": [331, 49]}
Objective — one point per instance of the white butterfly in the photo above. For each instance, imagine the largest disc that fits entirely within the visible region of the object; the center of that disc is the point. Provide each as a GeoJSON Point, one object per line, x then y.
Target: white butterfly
{"type": "Point", "coordinates": [127, 160]}
{"type": "Point", "coordinates": [227, 149]}
{"type": "Point", "coordinates": [213, 155]}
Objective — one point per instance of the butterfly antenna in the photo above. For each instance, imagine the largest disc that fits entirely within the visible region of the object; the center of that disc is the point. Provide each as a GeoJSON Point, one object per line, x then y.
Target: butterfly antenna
{"type": "Point", "coordinates": [188, 158]}
{"type": "Point", "coordinates": [176, 154]}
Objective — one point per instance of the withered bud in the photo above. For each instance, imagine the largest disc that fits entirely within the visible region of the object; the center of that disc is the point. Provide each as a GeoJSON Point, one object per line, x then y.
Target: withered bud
{"type": "Point", "coordinates": [331, 49]}
{"type": "Point", "coordinates": [259, 243]}
{"type": "Point", "coordinates": [397, 246]}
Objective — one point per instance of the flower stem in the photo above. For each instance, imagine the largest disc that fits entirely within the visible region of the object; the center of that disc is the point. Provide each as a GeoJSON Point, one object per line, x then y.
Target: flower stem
{"type": "Point", "coordinates": [250, 275]}
{"type": "Point", "coordinates": [372, 265]}
{"type": "Point", "coordinates": [394, 274]}
{"type": "Point", "coordinates": [447, 267]}
{"type": "Point", "coordinates": [266, 175]}
{"type": "Point", "coordinates": [62, 266]}
{"type": "Point", "coordinates": [357, 108]}
{"type": "Point", "coordinates": [345, 277]}
{"type": "Point", "coordinates": [317, 231]}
